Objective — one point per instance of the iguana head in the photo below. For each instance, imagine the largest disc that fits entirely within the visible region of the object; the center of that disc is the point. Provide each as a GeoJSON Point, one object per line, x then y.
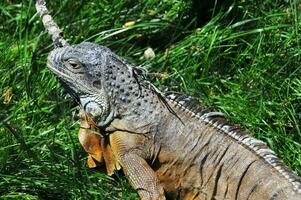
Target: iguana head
{"type": "Point", "coordinates": [81, 69]}
{"type": "Point", "coordinates": [97, 78]}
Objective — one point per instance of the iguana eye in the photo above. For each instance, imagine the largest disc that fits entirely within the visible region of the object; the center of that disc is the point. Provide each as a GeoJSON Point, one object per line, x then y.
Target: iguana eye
{"type": "Point", "coordinates": [73, 63]}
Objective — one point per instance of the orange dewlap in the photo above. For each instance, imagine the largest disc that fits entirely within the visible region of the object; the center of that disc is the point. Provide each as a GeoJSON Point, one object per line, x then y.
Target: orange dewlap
{"type": "Point", "coordinates": [96, 145]}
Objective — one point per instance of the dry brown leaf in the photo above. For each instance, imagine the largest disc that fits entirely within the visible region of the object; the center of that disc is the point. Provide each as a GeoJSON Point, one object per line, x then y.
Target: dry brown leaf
{"type": "Point", "coordinates": [7, 95]}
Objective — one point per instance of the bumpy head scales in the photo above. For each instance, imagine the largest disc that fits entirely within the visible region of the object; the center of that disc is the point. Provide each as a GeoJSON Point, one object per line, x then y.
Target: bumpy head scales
{"type": "Point", "coordinates": [80, 68]}
{"type": "Point", "coordinates": [97, 78]}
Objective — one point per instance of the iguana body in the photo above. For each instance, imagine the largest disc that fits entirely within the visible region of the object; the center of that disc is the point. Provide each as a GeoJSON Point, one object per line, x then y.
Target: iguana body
{"type": "Point", "coordinates": [166, 145]}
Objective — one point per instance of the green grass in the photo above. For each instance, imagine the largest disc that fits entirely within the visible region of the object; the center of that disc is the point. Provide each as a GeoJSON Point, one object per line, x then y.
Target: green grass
{"type": "Point", "coordinates": [241, 58]}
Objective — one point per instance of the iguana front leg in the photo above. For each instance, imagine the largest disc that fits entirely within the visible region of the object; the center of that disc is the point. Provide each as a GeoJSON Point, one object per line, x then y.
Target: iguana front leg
{"type": "Point", "coordinates": [139, 173]}
{"type": "Point", "coordinates": [121, 149]}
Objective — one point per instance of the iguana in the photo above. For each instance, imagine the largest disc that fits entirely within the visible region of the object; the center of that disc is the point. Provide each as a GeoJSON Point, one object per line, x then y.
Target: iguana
{"type": "Point", "coordinates": [166, 145]}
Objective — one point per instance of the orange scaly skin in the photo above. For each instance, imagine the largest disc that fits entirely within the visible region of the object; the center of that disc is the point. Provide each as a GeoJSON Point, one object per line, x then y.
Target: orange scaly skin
{"type": "Point", "coordinates": [98, 149]}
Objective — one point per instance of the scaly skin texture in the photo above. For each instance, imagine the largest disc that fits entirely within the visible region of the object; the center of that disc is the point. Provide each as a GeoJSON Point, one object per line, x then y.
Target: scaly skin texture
{"type": "Point", "coordinates": [166, 145]}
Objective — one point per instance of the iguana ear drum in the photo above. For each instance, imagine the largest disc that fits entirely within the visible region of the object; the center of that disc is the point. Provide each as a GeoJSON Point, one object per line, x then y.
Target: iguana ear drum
{"type": "Point", "coordinates": [92, 106]}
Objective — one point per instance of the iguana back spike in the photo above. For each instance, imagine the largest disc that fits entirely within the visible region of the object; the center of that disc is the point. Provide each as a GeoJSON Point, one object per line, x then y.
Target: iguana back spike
{"type": "Point", "coordinates": [52, 28]}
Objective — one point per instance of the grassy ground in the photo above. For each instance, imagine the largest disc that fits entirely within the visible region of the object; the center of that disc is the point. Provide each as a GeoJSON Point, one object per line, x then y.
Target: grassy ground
{"type": "Point", "coordinates": [240, 58]}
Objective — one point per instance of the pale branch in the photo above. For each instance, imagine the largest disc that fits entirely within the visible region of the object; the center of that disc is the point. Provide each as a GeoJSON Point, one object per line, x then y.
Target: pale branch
{"type": "Point", "coordinates": [52, 28]}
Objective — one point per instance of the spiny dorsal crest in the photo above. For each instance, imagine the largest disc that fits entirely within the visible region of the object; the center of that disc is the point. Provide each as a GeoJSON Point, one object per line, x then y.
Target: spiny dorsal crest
{"type": "Point", "coordinates": [192, 106]}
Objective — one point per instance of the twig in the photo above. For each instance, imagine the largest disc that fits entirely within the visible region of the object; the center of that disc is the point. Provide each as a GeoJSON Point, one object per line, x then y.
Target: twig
{"type": "Point", "coordinates": [52, 28]}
